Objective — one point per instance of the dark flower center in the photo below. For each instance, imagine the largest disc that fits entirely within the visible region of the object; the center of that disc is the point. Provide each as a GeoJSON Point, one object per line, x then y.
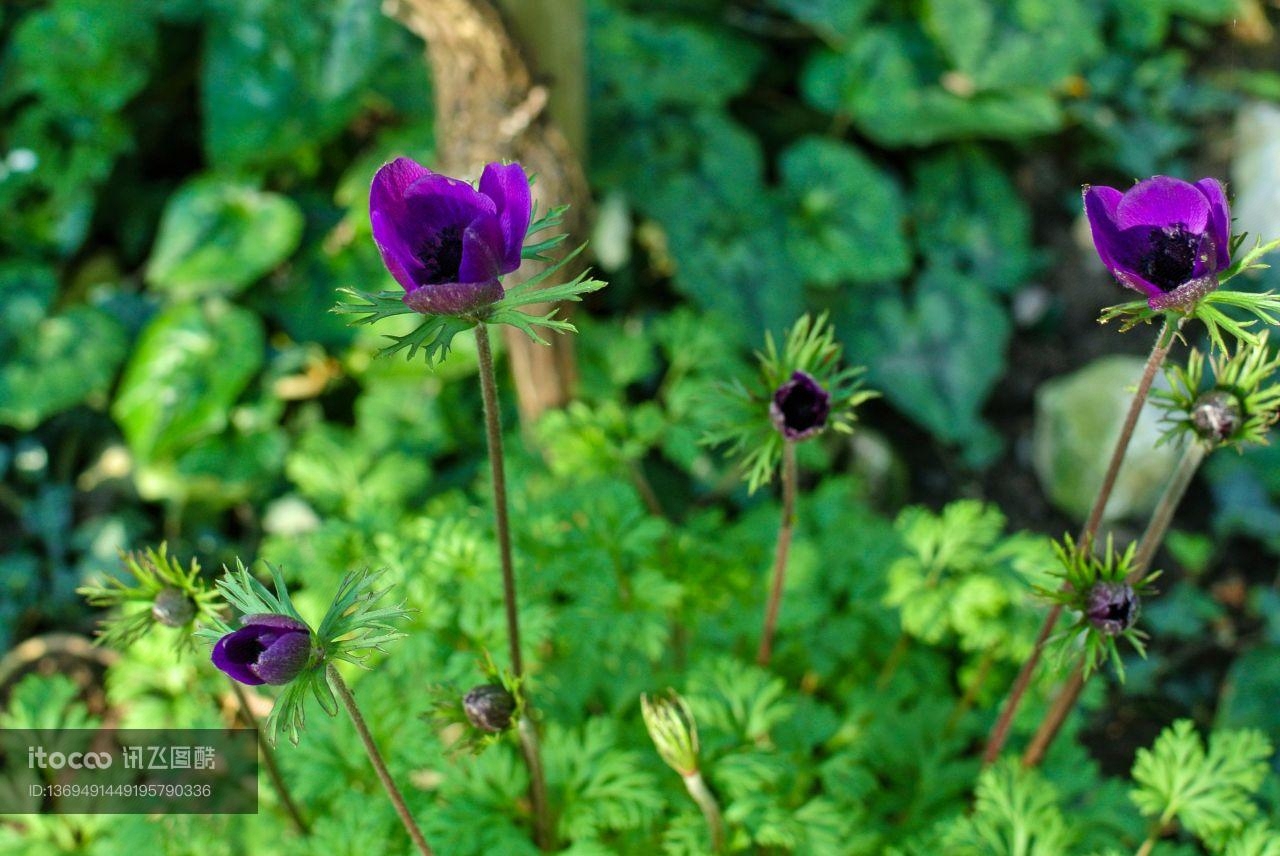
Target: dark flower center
{"type": "Point", "coordinates": [1169, 257]}
{"type": "Point", "coordinates": [440, 254]}
{"type": "Point", "coordinates": [246, 649]}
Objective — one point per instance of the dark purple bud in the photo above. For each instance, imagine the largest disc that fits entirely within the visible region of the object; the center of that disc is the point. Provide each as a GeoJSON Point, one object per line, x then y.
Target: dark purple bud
{"type": "Point", "coordinates": [1216, 415]}
{"type": "Point", "coordinates": [1111, 608]}
{"type": "Point", "coordinates": [268, 649]}
{"type": "Point", "coordinates": [172, 608]}
{"type": "Point", "coordinates": [445, 241]}
{"type": "Point", "coordinates": [1164, 237]}
{"type": "Point", "coordinates": [800, 407]}
{"type": "Point", "coordinates": [489, 707]}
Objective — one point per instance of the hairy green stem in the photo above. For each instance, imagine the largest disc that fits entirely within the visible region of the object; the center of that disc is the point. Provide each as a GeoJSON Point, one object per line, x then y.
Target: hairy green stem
{"type": "Point", "coordinates": [269, 759]}
{"type": "Point", "coordinates": [1152, 537]}
{"type": "Point", "coordinates": [706, 801]}
{"type": "Point", "coordinates": [493, 433]}
{"type": "Point", "coordinates": [375, 758]}
{"type": "Point", "coordinates": [1164, 341]}
{"type": "Point", "coordinates": [785, 528]}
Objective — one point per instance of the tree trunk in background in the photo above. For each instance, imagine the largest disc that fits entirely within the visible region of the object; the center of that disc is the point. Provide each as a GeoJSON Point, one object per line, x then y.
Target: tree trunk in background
{"type": "Point", "coordinates": [514, 89]}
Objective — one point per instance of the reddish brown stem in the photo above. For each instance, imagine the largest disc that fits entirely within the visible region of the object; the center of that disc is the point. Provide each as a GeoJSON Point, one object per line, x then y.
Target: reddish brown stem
{"type": "Point", "coordinates": [785, 528]}
{"type": "Point", "coordinates": [1164, 341]}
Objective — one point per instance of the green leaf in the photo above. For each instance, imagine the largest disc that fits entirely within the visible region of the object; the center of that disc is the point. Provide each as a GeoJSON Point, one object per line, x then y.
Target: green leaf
{"type": "Point", "coordinates": [83, 57]}
{"type": "Point", "coordinates": [1016, 813]}
{"type": "Point", "coordinates": [970, 218]}
{"type": "Point", "coordinates": [936, 356]}
{"type": "Point", "coordinates": [279, 80]}
{"type": "Point", "coordinates": [189, 366]}
{"type": "Point", "coordinates": [1209, 793]}
{"type": "Point", "coordinates": [218, 237]}
{"type": "Point", "coordinates": [666, 55]}
{"type": "Point", "coordinates": [897, 102]}
{"type": "Point", "coordinates": [847, 217]}
{"type": "Point", "coordinates": [56, 362]}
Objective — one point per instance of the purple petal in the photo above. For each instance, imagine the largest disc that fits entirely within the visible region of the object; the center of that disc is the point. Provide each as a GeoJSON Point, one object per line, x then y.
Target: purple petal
{"type": "Point", "coordinates": [1163, 201]}
{"type": "Point", "coordinates": [508, 187]}
{"type": "Point", "coordinates": [390, 183]}
{"type": "Point", "coordinates": [481, 250]}
{"type": "Point", "coordinates": [1184, 295]}
{"type": "Point", "coordinates": [284, 657]}
{"type": "Point", "coordinates": [395, 252]}
{"type": "Point", "coordinates": [435, 202]}
{"type": "Point", "coordinates": [234, 653]}
{"type": "Point", "coordinates": [1100, 209]}
{"type": "Point", "coordinates": [274, 620]}
{"type": "Point", "coordinates": [1134, 280]}
{"type": "Point", "coordinates": [1219, 220]}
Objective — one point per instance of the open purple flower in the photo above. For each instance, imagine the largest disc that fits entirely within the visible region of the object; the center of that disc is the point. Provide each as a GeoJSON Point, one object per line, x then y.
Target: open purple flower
{"type": "Point", "coordinates": [268, 649]}
{"type": "Point", "coordinates": [445, 241]}
{"type": "Point", "coordinates": [1163, 237]}
{"type": "Point", "coordinates": [800, 407]}
{"type": "Point", "coordinates": [1111, 607]}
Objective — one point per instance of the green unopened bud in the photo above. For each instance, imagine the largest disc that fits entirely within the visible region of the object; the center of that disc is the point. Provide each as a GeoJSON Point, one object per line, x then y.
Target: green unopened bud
{"type": "Point", "coordinates": [1216, 415]}
{"type": "Point", "coordinates": [489, 707]}
{"type": "Point", "coordinates": [173, 608]}
{"type": "Point", "coordinates": [673, 731]}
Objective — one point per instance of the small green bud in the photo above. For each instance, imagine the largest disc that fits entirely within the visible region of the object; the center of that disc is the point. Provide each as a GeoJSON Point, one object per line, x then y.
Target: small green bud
{"type": "Point", "coordinates": [675, 734]}
{"type": "Point", "coordinates": [1216, 416]}
{"type": "Point", "coordinates": [489, 707]}
{"type": "Point", "coordinates": [172, 608]}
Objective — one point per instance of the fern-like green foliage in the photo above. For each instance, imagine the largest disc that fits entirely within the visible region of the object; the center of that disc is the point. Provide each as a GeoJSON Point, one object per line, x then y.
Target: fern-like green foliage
{"type": "Point", "coordinates": [1015, 813]}
{"type": "Point", "coordinates": [963, 578]}
{"type": "Point", "coordinates": [1209, 792]}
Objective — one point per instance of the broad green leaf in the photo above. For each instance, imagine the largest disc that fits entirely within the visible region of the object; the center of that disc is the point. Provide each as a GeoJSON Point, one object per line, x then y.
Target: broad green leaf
{"type": "Point", "coordinates": [897, 102]}
{"type": "Point", "coordinates": [847, 219]}
{"type": "Point", "coordinates": [51, 362]}
{"type": "Point", "coordinates": [641, 64]}
{"type": "Point", "coordinates": [217, 237]}
{"type": "Point", "coordinates": [970, 218]}
{"type": "Point", "coordinates": [935, 355]}
{"type": "Point", "coordinates": [83, 57]}
{"type": "Point", "coordinates": [189, 366]}
{"type": "Point", "coordinates": [280, 79]}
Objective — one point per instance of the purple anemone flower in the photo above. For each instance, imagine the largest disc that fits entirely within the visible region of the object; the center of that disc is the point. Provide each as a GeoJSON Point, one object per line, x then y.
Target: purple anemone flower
{"type": "Point", "coordinates": [1112, 608]}
{"type": "Point", "coordinates": [1163, 237]}
{"type": "Point", "coordinates": [445, 241]}
{"type": "Point", "coordinates": [800, 407]}
{"type": "Point", "coordinates": [268, 649]}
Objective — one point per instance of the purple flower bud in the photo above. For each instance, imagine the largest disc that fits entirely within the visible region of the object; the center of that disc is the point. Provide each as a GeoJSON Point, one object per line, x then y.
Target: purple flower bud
{"type": "Point", "coordinates": [800, 407]}
{"type": "Point", "coordinates": [268, 649]}
{"type": "Point", "coordinates": [1163, 237]}
{"type": "Point", "coordinates": [489, 707]}
{"type": "Point", "coordinates": [1216, 415]}
{"type": "Point", "coordinates": [445, 241]}
{"type": "Point", "coordinates": [172, 608]}
{"type": "Point", "coordinates": [1111, 607]}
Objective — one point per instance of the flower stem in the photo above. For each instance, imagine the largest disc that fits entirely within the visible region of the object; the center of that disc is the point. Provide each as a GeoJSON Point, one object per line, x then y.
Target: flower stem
{"type": "Point", "coordinates": [269, 759]}
{"type": "Point", "coordinates": [375, 758]}
{"type": "Point", "coordinates": [1164, 341]}
{"type": "Point", "coordinates": [785, 528]}
{"type": "Point", "coordinates": [493, 434]}
{"type": "Point", "coordinates": [1156, 529]}
{"type": "Point", "coordinates": [706, 801]}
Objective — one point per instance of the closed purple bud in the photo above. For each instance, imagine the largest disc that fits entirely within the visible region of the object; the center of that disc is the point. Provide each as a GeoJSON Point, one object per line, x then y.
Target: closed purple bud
{"type": "Point", "coordinates": [800, 407]}
{"type": "Point", "coordinates": [1216, 415]}
{"type": "Point", "coordinates": [172, 608]}
{"type": "Point", "coordinates": [1111, 607]}
{"type": "Point", "coordinates": [445, 241]}
{"type": "Point", "coordinates": [268, 649]}
{"type": "Point", "coordinates": [489, 707]}
{"type": "Point", "coordinates": [1164, 237]}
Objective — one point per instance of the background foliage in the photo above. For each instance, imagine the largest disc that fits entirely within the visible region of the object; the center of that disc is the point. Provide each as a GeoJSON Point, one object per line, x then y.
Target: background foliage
{"type": "Point", "coordinates": [185, 188]}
